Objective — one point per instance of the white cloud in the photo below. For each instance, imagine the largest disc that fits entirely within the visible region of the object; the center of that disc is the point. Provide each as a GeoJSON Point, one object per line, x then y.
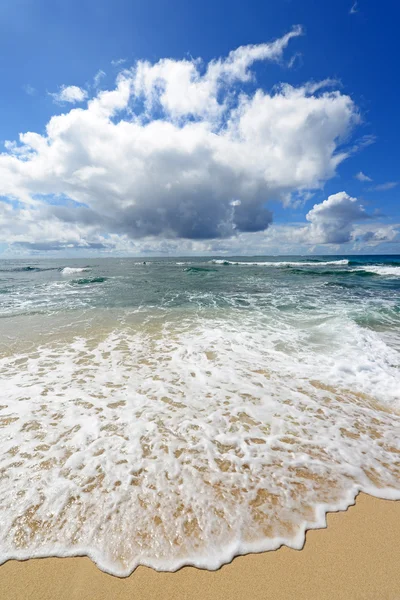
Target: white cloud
{"type": "Point", "coordinates": [340, 219]}
{"type": "Point", "coordinates": [375, 234]}
{"type": "Point", "coordinates": [179, 151]}
{"type": "Point", "coordinates": [362, 177]}
{"type": "Point", "coordinates": [29, 89]}
{"type": "Point", "coordinates": [98, 77]}
{"type": "Point", "coordinates": [70, 93]}
{"type": "Point", "coordinates": [118, 62]}
{"type": "Point", "coordinates": [331, 222]}
{"type": "Point", "coordinates": [182, 91]}
{"type": "Point", "coordinates": [363, 142]}
{"type": "Point", "coordinates": [353, 10]}
{"type": "Point", "coordinates": [383, 187]}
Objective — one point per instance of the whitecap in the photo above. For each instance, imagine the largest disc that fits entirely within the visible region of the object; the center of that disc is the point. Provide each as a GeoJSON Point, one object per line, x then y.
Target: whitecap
{"type": "Point", "coordinates": [388, 271]}
{"type": "Point", "coordinates": [73, 270]}
{"type": "Point", "coordinates": [281, 263]}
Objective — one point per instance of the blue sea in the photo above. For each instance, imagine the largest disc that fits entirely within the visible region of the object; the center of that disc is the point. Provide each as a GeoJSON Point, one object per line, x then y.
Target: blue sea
{"type": "Point", "coordinates": [172, 411]}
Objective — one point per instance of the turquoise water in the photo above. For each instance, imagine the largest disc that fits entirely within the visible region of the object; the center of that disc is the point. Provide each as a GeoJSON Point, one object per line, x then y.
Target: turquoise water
{"type": "Point", "coordinates": [28, 286]}
{"type": "Point", "coordinates": [184, 410]}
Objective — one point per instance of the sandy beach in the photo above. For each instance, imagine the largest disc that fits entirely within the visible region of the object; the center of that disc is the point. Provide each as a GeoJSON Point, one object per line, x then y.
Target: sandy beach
{"type": "Point", "coordinates": [199, 300]}
{"type": "Point", "coordinates": [355, 558]}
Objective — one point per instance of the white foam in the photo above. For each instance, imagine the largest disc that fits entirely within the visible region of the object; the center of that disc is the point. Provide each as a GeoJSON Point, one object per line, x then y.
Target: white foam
{"type": "Point", "coordinates": [73, 270]}
{"type": "Point", "coordinates": [190, 440]}
{"type": "Point", "coordinates": [281, 263]}
{"type": "Point", "coordinates": [388, 271]}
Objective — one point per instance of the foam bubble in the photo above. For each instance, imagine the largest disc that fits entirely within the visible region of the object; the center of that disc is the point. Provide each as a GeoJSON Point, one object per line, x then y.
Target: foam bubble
{"type": "Point", "coordinates": [191, 438]}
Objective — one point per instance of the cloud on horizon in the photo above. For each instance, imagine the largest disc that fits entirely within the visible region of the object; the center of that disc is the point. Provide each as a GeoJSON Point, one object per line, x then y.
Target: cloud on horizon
{"type": "Point", "coordinates": [180, 152]}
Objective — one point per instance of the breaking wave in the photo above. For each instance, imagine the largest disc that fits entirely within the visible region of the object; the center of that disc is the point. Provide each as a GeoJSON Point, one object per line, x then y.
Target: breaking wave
{"type": "Point", "coordinates": [280, 263]}
{"type": "Point", "coordinates": [73, 270]}
{"type": "Point", "coordinates": [381, 270]}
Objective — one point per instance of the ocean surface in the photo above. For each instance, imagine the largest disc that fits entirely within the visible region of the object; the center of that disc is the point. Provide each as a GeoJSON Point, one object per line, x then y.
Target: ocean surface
{"type": "Point", "coordinates": [182, 411]}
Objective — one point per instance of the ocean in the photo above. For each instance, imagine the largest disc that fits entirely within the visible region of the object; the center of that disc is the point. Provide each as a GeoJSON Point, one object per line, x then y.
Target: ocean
{"type": "Point", "coordinates": [173, 411]}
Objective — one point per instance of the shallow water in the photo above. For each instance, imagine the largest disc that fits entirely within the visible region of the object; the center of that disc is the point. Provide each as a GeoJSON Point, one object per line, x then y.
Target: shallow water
{"type": "Point", "coordinates": [167, 412]}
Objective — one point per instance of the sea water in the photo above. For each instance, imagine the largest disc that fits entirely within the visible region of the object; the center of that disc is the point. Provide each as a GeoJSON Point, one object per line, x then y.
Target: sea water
{"type": "Point", "coordinates": [182, 411]}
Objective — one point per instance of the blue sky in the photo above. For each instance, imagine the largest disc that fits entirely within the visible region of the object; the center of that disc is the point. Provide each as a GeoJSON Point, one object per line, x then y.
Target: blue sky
{"type": "Point", "coordinates": [47, 45]}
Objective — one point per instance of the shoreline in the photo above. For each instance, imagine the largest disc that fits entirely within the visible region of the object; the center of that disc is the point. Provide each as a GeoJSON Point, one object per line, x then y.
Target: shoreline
{"type": "Point", "coordinates": [355, 558]}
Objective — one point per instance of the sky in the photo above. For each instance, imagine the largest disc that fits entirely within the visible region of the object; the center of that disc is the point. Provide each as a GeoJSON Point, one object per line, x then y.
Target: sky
{"type": "Point", "coordinates": [180, 128]}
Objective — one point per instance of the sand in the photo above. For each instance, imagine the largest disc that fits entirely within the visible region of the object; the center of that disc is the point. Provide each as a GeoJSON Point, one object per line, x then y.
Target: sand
{"type": "Point", "coordinates": [356, 558]}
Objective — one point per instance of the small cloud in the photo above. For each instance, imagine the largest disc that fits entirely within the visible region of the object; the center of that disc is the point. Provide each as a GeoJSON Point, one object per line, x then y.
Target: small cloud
{"type": "Point", "coordinates": [297, 59]}
{"type": "Point", "coordinates": [118, 62]}
{"type": "Point", "coordinates": [353, 9]}
{"type": "Point", "coordinates": [383, 187]}
{"type": "Point", "coordinates": [98, 77]}
{"type": "Point", "coordinates": [29, 89]}
{"type": "Point", "coordinates": [362, 177]}
{"type": "Point", "coordinates": [363, 142]}
{"type": "Point", "coordinates": [70, 93]}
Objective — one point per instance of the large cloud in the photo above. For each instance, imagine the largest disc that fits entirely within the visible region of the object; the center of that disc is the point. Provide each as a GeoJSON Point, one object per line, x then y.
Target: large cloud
{"type": "Point", "coordinates": [178, 150]}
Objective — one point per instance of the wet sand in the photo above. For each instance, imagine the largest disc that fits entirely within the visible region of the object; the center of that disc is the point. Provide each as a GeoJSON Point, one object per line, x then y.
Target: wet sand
{"type": "Point", "coordinates": [356, 558]}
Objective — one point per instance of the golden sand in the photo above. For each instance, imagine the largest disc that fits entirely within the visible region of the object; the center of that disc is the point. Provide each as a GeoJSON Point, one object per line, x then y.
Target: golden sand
{"type": "Point", "coordinates": [356, 558]}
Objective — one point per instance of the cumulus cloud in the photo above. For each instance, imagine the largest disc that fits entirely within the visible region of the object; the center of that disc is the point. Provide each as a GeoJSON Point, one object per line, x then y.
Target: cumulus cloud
{"type": "Point", "coordinates": [329, 222]}
{"type": "Point", "coordinates": [179, 150]}
{"type": "Point", "coordinates": [181, 90]}
{"type": "Point", "coordinates": [31, 225]}
{"type": "Point", "coordinates": [70, 93]}
{"type": "Point", "coordinates": [377, 234]}
{"type": "Point", "coordinates": [362, 177]}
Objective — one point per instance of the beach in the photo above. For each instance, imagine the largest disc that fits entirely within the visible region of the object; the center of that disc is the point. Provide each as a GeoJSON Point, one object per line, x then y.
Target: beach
{"type": "Point", "coordinates": [355, 558]}
{"type": "Point", "coordinates": [188, 411]}
{"type": "Point", "coordinates": [199, 302]}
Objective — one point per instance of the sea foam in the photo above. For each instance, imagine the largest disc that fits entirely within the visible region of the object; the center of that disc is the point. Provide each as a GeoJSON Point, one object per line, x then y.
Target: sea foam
{"type": "Point", "coordinates": [387, 271]}
{"type": "Point", "coordinates": [281, 263]}
{"type": "Point", "coordinates": [73, 270]}
{"type": "Point", "coordinates": [190, 440]}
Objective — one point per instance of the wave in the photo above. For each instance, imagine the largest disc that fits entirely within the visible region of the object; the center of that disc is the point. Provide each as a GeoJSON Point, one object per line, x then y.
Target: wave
{"type": "Point", "coordinates": [198, 443]}
{"type": "Point", "coordinates": [361, 263]}
{"type": "Point", "coordinates": [285, 263]}
{"type": "Point", "coordinates": [381, 270]}
{"type": "Point", "coordinates": [28, 269]}
{"type": "Point", "coordinates": [199, 270]}
{"type": "Point", "coordinates": [72, 270]}
{"type": "Point", "coordinates": [343, 273]}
